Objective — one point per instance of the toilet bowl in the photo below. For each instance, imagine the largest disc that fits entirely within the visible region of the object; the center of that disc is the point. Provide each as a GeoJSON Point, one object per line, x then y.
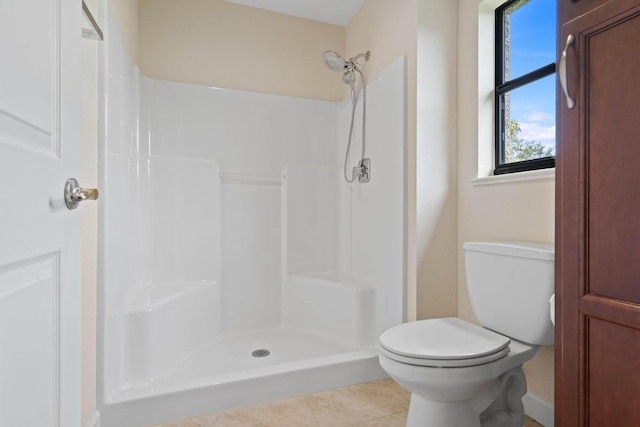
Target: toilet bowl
{"type": "Point", "coordinates": [455, 391]}
{"type": "Point", "coordinates": [463, 375]}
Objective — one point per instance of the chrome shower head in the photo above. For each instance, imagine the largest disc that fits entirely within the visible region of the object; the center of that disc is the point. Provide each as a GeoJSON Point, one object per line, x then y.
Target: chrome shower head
{"type": "Point", "coordinates": [349, 77]}
{"type": "Point", "coordinates": [335, 61]}
{"type": "Point", "coordinates": [338, 63]}
{"type": "Point", "coordinates": [349, 69]}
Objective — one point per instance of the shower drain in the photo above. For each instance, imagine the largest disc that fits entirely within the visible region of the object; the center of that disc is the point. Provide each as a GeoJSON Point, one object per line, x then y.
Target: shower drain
{"type": "Point", "coordinates": [263, 352]}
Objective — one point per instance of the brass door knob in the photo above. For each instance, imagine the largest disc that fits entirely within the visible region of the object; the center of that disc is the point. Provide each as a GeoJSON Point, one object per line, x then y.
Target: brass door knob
{"type": "Point", "coordinates": [74, 194]}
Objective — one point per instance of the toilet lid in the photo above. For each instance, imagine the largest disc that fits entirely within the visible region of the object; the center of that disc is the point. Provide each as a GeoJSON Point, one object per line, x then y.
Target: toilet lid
{"type": "Point", "coordinates": [442, 339]}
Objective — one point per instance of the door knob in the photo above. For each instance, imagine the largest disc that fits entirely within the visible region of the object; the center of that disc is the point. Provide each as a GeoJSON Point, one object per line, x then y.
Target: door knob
{"type": "Point", "coordinates": [74, 194]}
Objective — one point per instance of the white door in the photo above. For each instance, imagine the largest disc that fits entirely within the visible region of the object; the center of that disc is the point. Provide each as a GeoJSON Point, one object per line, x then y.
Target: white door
{"type": "Point", "coordinates": [40, 66]}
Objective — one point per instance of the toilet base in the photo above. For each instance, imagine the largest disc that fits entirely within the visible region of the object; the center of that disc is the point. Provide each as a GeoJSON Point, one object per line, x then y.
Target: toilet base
{"type": "Point", "coordinates": [499, 405]}
{"type": "Point", "coordinates": [423, 412]}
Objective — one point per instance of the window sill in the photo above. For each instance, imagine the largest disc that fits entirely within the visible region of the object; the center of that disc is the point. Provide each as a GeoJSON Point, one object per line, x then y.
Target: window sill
{"type": "Point", "coordinates": [548, 174]}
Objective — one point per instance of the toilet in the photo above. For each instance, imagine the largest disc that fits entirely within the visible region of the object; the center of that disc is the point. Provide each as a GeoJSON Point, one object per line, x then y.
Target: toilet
{"type": "Point", "coordinates": [463, 375]}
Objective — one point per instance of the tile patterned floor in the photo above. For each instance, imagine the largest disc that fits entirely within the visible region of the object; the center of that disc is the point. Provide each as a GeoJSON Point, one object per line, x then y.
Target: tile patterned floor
{"type": "Point", "coordinates": [375, 404]}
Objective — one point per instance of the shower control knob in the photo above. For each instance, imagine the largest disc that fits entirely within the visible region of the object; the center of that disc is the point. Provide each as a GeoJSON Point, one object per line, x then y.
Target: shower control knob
{"type": "Point", "coordinates": [74, 194]}
{"type": "Point", "coordinates": [364, 173]}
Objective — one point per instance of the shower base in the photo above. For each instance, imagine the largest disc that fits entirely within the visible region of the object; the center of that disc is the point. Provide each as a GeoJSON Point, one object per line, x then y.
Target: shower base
{"type": "Point", "coordinates": [233, 352]}
{"type": "Point", "coordinates": [223, 374]}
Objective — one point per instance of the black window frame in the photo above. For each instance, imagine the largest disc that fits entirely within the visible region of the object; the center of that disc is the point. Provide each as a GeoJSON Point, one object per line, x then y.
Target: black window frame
{"type": "Point", "coordinates": [502, 87]}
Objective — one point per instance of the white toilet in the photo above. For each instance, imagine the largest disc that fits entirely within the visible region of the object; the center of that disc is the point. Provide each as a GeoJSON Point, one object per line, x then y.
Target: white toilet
{"type": "Point", "coordinates": [463, 375]}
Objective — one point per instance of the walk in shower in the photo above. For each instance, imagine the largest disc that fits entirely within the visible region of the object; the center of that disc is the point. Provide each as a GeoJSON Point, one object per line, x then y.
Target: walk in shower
{"type": "Point", "coordinates": [236, 264]}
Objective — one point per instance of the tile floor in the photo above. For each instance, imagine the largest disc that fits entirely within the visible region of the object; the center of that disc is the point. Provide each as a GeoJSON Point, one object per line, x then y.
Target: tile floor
{"type": "Point", "coordinates": [375, 404]}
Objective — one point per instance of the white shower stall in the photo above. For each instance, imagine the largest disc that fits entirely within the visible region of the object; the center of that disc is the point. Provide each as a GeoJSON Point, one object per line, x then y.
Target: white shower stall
{"type": "Point", "coordinates": [236, 264]}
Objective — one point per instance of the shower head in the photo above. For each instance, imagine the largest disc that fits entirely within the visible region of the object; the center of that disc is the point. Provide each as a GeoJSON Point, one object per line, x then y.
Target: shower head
{"type": "Point", "coordinates": [349, 69]}
{"type": "Point", "coordinates": [335, 61]}
{"type": "Point", "coordinates": [338, 63]}
{"type": "Point", "coordinates": [349, 77]}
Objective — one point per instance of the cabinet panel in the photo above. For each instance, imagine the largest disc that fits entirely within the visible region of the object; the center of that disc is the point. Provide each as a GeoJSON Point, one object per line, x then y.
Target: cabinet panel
{"type": "Point", "coordinates": [612, 138]}
{"type": "Point", "coordinates": [569, 9]}
{"type": "Point", "coordinates": [613, 384]}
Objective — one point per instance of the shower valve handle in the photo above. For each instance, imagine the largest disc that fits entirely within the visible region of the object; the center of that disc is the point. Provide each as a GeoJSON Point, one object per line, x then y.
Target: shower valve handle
{"type": "Point", "coordinates": [363, 170]}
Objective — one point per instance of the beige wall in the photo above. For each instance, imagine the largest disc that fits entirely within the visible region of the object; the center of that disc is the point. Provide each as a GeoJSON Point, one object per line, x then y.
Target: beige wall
{"type": "Point", "coordinates": [500, 211]}
{"type": "Point", "coordinates": [89, 224]}
{"type": "Point", "coordinates": [437, 293]}
{"type": "Point", "coordinates": [89, 218]}
{"type": "Point", "coordinates": [217, 43]}
{"type": "Point", "coordinates": [388, 30]}
{"type": "Point", "coordinates": [127, 14]}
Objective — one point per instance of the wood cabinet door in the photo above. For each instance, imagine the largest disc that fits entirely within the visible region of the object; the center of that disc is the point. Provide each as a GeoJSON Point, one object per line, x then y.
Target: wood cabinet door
{"type": "Point", "coordinates": [598, 221]}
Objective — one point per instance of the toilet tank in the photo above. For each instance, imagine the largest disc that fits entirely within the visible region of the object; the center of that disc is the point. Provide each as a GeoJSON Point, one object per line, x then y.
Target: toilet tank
{"type": "Point", "coordinates": [510, 284]}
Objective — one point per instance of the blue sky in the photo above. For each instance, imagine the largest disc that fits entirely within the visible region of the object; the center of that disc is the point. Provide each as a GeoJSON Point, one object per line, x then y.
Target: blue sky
{"type": "Point", "coordinates": [533, 45]}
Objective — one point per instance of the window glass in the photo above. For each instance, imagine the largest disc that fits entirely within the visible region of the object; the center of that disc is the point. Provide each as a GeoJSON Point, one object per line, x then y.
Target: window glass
{"type": "Point", "coordinates": [525, 93]}
{"type": "Point", "coordinates": [529, 36]}
{"type": "Point", "coordinates": [530, 121]}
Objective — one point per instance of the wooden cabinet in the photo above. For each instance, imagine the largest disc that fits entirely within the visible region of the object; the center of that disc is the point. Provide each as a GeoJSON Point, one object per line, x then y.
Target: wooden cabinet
{"type": "Point", "coordinates": [598, 216]}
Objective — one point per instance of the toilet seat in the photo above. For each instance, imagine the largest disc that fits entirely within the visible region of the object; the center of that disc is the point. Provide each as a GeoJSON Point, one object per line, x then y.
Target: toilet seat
{"type": "Point", "coordinates": [448, 342]}
{"type": "Point", "coordinates": [443, 363]}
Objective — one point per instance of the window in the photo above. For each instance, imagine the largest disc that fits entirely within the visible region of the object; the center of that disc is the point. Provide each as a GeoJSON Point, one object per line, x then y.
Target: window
{"type": "Point", "coordinates": [525, 89]}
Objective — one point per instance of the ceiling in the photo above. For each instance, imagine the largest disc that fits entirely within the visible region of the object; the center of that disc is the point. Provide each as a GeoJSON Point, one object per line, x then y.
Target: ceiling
{"type": "Point", "coordinates": [338, 12]}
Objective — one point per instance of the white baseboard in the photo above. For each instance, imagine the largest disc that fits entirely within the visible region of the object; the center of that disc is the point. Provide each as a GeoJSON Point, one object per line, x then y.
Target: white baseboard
{"type": "Point", "coordinates": [94, 421]}
{"type": "Point", "coordinates": [538, 409]}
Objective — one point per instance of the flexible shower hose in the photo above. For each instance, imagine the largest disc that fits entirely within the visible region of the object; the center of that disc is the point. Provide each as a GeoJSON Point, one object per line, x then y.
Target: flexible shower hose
{"type": "Point", "coordinates": [354, 99]}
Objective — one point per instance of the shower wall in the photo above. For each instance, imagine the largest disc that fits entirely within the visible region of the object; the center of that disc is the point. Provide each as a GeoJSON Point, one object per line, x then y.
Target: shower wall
{"type": "Point", "coordinates": [377, 218]}
{"type": "Point", "coordinates": [226, 210]}
{"type": "Point", "coordinates": [251, 136]}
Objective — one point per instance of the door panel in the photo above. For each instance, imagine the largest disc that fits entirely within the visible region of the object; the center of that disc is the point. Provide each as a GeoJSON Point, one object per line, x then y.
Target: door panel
{"type": "Point", "coordinates": [29, 73]}
{"type": "Point", "coordinates": [29, 305]}
{"type": "Point", "coordinates": [40, 47]}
